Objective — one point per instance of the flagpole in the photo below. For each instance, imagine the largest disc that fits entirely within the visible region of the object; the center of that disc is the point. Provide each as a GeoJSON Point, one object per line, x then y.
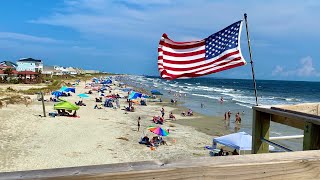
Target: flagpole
{"type": "Point", "coordinates": [251, 62]}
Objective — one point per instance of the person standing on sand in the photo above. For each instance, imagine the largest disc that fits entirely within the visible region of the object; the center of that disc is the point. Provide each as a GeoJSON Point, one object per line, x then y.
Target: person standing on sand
{"type": "Point", "coordinates": [225, 115]}
{"type": "Point", "coordinates": [139, 118]}
{"type": "Point", "coordinates": [162, 112]}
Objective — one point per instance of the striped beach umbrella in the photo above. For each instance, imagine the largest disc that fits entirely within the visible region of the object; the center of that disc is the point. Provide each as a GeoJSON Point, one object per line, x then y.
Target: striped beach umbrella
{"type": "Point", "coordinates": [158, 131]}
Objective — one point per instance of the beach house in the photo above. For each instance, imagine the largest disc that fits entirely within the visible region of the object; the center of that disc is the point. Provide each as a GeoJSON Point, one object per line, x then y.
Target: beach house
{"type": "Point", "coordinates": [7, 64]}
{"type": "Point", "coordinates": [30, 64]}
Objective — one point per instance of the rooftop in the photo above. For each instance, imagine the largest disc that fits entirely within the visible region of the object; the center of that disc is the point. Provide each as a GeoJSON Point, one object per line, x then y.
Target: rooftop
{"type": "Point", "coordinates": [29, 60]}
{"type": "Point", "coordinates": [8, 63]}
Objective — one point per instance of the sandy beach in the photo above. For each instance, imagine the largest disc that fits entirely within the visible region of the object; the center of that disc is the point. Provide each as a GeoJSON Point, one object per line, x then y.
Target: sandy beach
{"type": "Point", "coordinates": [99, 136]}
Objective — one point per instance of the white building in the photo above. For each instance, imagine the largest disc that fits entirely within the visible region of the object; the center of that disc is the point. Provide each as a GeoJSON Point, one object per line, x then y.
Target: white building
{"type": "Point", "coordinates": [71, 70]}
{"type": "Point", "coordinates": [30, 64]}
{"type": "Point", "coordinates": [61, 70]}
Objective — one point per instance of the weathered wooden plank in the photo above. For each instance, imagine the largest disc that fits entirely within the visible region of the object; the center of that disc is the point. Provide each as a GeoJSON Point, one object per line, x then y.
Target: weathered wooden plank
{"type": "Point", "coordinates": [311, 140]}
{"type": "Point", "coordinates": [260, 129]}
{"type": "Point", "coordinates": [289, 115]}
{"type": "Point", "coordinates": [293, 165]}
{"type": "Point", "coordinates": [288, 121]}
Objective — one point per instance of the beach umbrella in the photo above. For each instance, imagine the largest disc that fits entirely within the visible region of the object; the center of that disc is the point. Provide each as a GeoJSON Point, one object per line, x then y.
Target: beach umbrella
{"type": "Point", "coordinates": [56, 93]}
{"type": "Point", "coordinates": [83, 95]}
{"type": "Point", "coordinates": [134, 95]}
{"type": "Point", "coordinates": [156, 92]}
{"type": "Point", "coordinates": [66, 106]}
{"type": "Point", "coordinates": [158, 131]}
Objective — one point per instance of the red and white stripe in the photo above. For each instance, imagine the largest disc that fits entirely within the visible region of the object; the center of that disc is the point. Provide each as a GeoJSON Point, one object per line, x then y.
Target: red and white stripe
{"type": "Point", "coordinates": [187, 59]}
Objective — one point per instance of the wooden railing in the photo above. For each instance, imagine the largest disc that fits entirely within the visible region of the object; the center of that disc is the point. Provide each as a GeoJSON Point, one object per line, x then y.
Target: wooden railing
{"type": "Point", "coordinates": [302, 116]}
{"type": "Point", "coordinates": [290, 165]}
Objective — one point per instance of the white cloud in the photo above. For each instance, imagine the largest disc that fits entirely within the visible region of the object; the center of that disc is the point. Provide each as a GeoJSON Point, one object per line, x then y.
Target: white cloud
{"type": "Point", "coordinates": [306, 69]}
{"type": "Point", "coordinates": [26, 37]}
{"type": "Point", "coordinates": [278, 70]}
{"type": "Point", "coordinates": [185, 17]}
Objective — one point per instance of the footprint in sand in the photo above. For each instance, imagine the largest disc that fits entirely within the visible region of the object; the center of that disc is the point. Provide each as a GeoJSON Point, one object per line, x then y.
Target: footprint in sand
{"type": "Point", "coordinates": [73, 154]}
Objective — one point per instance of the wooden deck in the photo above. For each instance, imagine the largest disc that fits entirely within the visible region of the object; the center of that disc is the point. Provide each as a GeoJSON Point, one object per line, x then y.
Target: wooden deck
{"type": "Point", "coordinates": [292, 165]}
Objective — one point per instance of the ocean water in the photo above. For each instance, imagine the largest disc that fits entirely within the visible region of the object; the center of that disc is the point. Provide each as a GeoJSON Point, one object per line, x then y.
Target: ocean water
{"type": "Point", "coordinates": [238, 96]}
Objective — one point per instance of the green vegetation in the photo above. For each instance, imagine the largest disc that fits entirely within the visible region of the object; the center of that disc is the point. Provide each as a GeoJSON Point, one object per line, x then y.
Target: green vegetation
{"type": "Point", "coordinates": [15, 99]}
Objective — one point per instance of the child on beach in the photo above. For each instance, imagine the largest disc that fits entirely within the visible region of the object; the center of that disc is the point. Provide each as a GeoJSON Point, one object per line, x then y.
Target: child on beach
{"type": "Point", "coordinates": [171, 116]}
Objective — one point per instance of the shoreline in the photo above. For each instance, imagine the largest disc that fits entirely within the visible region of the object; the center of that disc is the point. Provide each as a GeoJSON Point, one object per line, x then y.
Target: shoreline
{"type": "Point", "coordinates": [210, 125]}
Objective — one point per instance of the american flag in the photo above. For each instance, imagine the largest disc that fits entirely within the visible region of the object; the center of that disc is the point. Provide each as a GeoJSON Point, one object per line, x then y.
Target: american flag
{"type": "Point", "coordinates": [218, 52]}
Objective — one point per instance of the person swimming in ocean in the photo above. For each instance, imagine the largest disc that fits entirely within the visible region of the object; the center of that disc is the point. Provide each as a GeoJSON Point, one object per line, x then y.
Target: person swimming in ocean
{"type": "Point", "coordinates": [221, 100]}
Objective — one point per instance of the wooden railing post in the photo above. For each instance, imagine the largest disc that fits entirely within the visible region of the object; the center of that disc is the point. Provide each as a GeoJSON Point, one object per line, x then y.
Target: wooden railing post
{"type": "Point", "coordinates": [260, 129]}
{"type": "Point", "coordinates": [311, 140]}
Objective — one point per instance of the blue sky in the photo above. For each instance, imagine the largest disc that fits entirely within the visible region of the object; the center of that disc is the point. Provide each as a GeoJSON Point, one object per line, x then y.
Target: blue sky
{"type": "Point", "coordinates": [122, 35]}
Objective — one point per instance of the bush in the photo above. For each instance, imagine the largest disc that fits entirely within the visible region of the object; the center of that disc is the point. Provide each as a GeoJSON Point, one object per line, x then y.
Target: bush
{"type": "Point", "coordinates": [14, 81]}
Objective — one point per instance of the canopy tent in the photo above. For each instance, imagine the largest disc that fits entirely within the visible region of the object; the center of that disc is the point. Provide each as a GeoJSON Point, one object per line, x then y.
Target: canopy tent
{"type": "Point", "coordinates": [240, 141]}
{"type": "Point", "coordinates": [67, 89]}
{"type": "Point", "coordinates": [108, 81]}
{"type": "Point", "coordinates": [156, 92]}
{"type": "Point", "coordinates": [57, 93]}
{"type": "Point", "coordinates": [66, 106]}
{"type": "Point", "coordinates": [134, 95]}
{"type": "Point", "coordinates": [70, 89]}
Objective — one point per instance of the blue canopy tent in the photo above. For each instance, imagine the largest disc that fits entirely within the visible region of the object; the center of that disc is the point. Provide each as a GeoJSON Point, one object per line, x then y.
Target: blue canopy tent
{"type": "Point", "coordinates": [70, 89]}
{"type": "Point", "coordinates": [156, 92]}
{"type": "Point", "coordinates": [241, 141]}
{"type": "Point", "coordinates": [57, 93]}
{"type": "Point", "coordinates": [108, 81]}
{"type": "Point", "coordinates": [134, 95]}
{"type": "Point", "coordinates": [67, 89]}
